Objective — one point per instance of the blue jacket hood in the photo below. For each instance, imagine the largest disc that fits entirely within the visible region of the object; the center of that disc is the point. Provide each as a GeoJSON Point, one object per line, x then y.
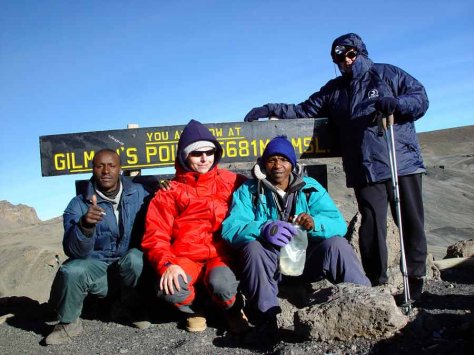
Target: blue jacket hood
{"type": "Point", "coordinates": [350, 40]}
{"type": "Point", "coordinates": [195, 131]}
{"type": "Point", "coordinates": [363, 63]}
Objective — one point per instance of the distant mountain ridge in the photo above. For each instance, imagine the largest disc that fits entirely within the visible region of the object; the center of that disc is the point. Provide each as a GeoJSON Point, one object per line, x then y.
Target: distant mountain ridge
{"type": "Point", "coordinates": [12, 216]}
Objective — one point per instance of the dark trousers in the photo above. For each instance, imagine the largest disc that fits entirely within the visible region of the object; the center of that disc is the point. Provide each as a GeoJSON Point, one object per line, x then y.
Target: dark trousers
{"type": "Point", "coordinates": [372, 201]}
{"type": "Point", "coordinates": [77, 278]}
{"type": "Point", "coordinates": [331, 258]}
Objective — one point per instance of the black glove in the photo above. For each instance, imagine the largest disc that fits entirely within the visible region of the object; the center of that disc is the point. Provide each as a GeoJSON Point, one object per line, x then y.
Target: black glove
{"type": "Point", "coordinates": [387, 105]}
{"type": "Point", "coordinates": [256, 113]}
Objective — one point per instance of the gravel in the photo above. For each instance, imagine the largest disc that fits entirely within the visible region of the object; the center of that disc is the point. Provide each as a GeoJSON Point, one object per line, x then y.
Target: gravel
{"type": "Point", "coordinates": [442, 324]}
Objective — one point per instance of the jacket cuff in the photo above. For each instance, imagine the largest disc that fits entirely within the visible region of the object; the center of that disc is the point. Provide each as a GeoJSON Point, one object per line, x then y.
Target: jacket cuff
{"type": "Point", "coordinates": [163, 267]}
{"type": "Point", "coordinates": [87, 231]}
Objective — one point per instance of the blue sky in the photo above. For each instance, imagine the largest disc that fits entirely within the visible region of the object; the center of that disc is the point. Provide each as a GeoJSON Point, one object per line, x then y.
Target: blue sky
{"type": "Point", "coordinates": [76, 66]}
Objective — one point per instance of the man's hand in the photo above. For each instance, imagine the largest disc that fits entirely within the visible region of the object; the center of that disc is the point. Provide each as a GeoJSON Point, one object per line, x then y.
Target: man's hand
{"type": "Point", "coordinates": [164, 185]}
{"type": "Point", "coordinates": [169, 281]}
{"type": "Point", "coordinates": [384, 122]}
{"type": "Point", "coordinates": [386, 105]}
{"type": "Point", "coordinates": [94, 214]}
{"type": "Point", "coordinates": [256, 113]}
{"type": "Point", "coordinates": [279, 233]}
{"type": "Point", "coordinates": [305, 220]}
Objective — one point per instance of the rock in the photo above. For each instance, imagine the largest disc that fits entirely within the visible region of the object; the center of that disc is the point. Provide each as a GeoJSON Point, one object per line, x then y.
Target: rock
{"type": "Point", "coordinates": [432, 271]}
{"type": "Point", "coordinates": [395, 278]}
{"type": "Point", "coordinates": [393, 239]}
{"type": "Point", "coordinates": [349, 311]}
{"type": "Point", "coordinates": [393, 247]}
{"type": "Point", "coordinates": [464, 248]}
{"type": "Point", "coordinates": [28, 271]}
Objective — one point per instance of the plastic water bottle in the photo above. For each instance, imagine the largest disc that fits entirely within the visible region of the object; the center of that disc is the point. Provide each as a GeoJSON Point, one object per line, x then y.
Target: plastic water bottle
{"type": "Point", "coordinates": [293, 255]}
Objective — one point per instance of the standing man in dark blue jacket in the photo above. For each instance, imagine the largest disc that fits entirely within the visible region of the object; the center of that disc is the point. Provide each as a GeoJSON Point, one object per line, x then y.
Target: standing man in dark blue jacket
{"type": "Point", "coordinates": [352, 103]}
{"type": "Point", "coordinates": [101, 228]}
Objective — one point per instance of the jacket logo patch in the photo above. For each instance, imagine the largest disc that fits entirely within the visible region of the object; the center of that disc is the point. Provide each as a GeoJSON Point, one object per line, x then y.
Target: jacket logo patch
{"type": "Point", "coordinates": [373, 93]}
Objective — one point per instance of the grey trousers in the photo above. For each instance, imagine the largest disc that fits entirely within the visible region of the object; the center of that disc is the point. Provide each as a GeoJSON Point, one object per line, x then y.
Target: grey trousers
{"type": "Point", "coordinates": [77, 278]}
{"type": "Point", "coordinates": [331, 258]}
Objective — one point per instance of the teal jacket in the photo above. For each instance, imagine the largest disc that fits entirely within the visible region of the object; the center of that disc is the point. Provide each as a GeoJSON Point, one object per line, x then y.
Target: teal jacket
{"type": "Point", "coordinates": [250, 211]}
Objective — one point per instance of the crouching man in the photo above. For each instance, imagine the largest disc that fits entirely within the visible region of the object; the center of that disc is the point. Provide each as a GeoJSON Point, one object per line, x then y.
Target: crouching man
{"type": "Point", "coordinates": [101, 227]}
{"type": "Point", "coordinates": [261, 221]}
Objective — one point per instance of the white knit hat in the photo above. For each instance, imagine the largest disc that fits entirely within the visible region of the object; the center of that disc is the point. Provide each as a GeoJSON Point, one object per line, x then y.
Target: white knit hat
{"type": "Point", "coordinates": [199, 146]}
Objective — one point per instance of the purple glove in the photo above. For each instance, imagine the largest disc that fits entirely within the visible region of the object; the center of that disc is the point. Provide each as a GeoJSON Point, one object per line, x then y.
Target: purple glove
{"type": "Point", "coordinates": [256, 113]}
{"type": "Point", "coordinates": [279, 233]}
{"type": "Point", "coordinates": [386, 105]}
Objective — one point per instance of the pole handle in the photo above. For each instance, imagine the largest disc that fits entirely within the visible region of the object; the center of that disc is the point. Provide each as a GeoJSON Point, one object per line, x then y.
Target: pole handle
{"type": "Point", "coordinates": [385, 122]}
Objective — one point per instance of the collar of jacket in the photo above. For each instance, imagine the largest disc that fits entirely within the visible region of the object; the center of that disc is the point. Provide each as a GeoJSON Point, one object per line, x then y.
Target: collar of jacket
{"type": "Point", "coordinates": [361, 66]}
{"type": "Point", "coordinates": [128, 187]}
{"type": "Point", "coordinates": [296, 180]}
{"type": "Point", "coordinates": [194, 178]}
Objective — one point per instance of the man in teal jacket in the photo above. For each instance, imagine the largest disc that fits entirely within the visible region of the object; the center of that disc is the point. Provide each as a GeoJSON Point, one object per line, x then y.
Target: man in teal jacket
{"type": "Point", "coordinates": [263, 215]}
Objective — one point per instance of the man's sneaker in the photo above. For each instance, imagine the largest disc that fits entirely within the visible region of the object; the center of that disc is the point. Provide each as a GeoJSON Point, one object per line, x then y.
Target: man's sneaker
{"type": "Point", "coordinates": [196, 322]}
{"type": "Point", "coordinates": [64, 332]}
{"type": "Point", "coordinates": [237, 322]}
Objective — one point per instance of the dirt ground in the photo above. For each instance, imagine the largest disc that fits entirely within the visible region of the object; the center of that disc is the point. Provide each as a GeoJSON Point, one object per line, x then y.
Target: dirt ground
{"type": "Point", "coordinates": [442, 324]}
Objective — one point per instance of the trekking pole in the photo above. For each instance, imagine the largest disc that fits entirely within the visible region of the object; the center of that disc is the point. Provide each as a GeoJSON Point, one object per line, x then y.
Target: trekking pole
{"type": "Point", "coordinates": [390, 139]}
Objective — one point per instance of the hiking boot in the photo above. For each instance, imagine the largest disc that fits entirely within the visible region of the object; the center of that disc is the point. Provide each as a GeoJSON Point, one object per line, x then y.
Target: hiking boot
{"type": "Point", "coordinates": [64, 332]}
{"type": "Point", "coordinates": [237, 322]}
{"type": "Point", "coordinates": [142, 322]}
{"type": "Point", "coordinates": [416, 287]}
{"type": "Point", "coordinates": [264, 334]}
{"type": "Point", "coordinates": [136, 317]}
{"type": "Point", "coordinates": [196, 323]}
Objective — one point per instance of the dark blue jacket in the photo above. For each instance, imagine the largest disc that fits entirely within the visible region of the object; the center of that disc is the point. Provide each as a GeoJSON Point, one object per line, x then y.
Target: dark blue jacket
{"type": "Point", "coordinates": [348, 102]}
{"type": "Point", "coordinates": [109, 240]}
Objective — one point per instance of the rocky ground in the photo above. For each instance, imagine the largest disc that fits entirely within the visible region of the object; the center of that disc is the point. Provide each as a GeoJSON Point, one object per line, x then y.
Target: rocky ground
{"type": "Point", "coordinates": [442, 324]}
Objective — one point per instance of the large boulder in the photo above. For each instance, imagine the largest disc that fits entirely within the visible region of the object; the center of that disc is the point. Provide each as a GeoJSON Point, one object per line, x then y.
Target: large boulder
{"type": "Point", "coordinates": [323, 311]}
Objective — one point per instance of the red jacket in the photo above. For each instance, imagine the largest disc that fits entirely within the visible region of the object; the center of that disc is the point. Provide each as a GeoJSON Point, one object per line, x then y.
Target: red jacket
{"type": "Point", "coordinates": [186, 220]}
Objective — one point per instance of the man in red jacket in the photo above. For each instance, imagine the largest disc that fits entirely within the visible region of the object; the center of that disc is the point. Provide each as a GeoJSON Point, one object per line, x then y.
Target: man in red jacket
{"type": "Point", "coordinates": [183, 232]}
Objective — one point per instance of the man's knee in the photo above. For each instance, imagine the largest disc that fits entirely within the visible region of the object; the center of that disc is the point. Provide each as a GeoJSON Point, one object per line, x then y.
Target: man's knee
{"type": "Point", "coordinates": [223, 284]}
{"type": "Point", "coordinates": [73, 270]}
{"type": "Point", "coordinates": [336, 244]}
{"type": "Point", "coordinates": [182, 297]}
{"type": "Point", "coordinates": [252, 251]}
{"type": "Point", "coordinates": [133, 260]}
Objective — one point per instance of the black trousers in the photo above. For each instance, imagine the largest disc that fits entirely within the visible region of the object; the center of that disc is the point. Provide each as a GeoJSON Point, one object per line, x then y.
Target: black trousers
{"type": "Point", "coordinates": [372, 201]}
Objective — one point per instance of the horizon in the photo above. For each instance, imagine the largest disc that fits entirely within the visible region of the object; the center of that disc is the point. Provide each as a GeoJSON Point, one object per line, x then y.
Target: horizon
{"type": "Point", "coordinates": [157, 171]}
{"type": "Point", "coordinates": [70, 67]}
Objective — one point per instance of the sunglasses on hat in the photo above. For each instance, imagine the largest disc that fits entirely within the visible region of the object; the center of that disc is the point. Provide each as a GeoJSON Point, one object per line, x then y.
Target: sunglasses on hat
{"type": "Point", "coordinates": [343, 52]}
{"type": "Point", "coordinates": [197, 153]}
